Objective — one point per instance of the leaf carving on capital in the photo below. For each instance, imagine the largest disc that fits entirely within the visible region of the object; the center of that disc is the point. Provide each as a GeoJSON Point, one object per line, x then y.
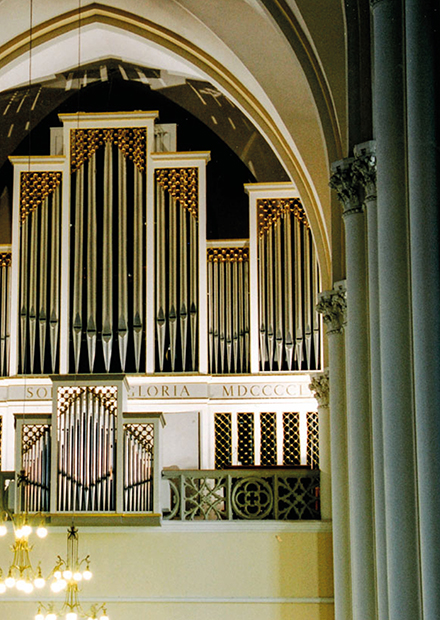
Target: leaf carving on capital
{"type": "Point", "coordinates": [364, 167]}
{"type": "Point", "coordinates": [333, 307]}
{"type": "Point", "coordinates": [345, 182]}
{"type": "Point", "coordinates": [320, 386]}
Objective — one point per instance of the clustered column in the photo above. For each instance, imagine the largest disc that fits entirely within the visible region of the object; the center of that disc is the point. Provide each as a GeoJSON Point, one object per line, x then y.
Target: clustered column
{"type": "Point", "coordinates": [332, 305]}
{"type": "Point", "coordinates": [345, 180]}
{"type": "Point", "coordinates": [320, 387]}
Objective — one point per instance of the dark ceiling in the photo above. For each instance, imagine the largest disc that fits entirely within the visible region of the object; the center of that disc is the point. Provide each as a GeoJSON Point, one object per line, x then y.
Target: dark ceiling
{"type": "Point", "coordinates": [206, 121]}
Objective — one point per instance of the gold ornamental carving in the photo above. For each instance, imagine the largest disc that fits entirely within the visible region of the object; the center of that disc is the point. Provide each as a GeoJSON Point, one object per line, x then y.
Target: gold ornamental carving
{"type": "Point", "coordinates": [34, 188]}
{"type": "Point", "coordinates": [107, 396]}
{"type": "Point", "coordinates": [271, 209]}
{"type": "Point", "coordinates": [228, 255]}
{"type": "Point", "coordinates": [182, 184]}
{"type": "Point", "coordinates": [85, 142]}
{"type": "Point", "coordinates": [5, 259]}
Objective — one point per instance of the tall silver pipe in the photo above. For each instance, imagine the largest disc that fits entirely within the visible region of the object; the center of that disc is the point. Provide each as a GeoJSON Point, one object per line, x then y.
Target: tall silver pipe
{"type": "Point", "coordinates": [241, 311]}
{"type": "Point", "coordinates": [3, 318]}
{"type": "Point", "coordinates": [183, 284]}
{"type": "Point", "coordinates": [92, 292]}
{"type": "Point", "coordinates": [24, 247]}
{"type": "Point", "coordinates": [298, 294]}
{"type": "Point", "coordinates": [235, 314]}
{"type": "Point", "coordinates": [138, 320]}
{"type": "Point", "coordinates": [33, 291]}
{"type": "Point", "coordinates": [42, 310]}
{"type": "Point", "coordinates": [172, 274]}
{"type": "Point", "coordinates": [160, 274]}
{"type": "Point", "coordinates": [246, 317]}
{"type": "Point", "coordinates": [307, 298]}
{"type": "Point", "coordinates": [288, 289]}
{"type": "Point", "coordinates": [122, 260]}
{"type": "Point", "coordinates": [262, 297]}
{"type": "Point", "coordinates": [77, 323]}
{"type": "Point", "coordinates": [316, 316]}
{"type": "Point", "coordinates": [107, 258]}
{"type": "Point", "coordinates": [270, 296]}
{"type": "Point", "coordinates": [221, 305]}
{"type": "Point", "coordinates": [193, 302]}
{"type": "Point", "coordinates": [216, 305]}
{"type": "Point", "coordinates": [279, 336]}
{"type": "Point", "coordinates": [7, 343]}
{"type": "Point", "coordinates": [211, 314]}
{"type": "Point", "coordinates": [54, 302]}
{"type": "Point", "coordinates": [228, 313]}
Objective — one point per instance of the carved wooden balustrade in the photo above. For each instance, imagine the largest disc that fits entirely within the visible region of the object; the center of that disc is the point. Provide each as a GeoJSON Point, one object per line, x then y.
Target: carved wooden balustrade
{"type": "Point", "coordinates": [252, 494]}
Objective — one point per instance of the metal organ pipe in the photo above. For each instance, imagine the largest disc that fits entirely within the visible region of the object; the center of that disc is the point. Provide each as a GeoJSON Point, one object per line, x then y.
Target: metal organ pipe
{"type": "Point", "coordinates": [91, 328]}
{"type": "Point", "coordinates": [107, 258]}
{"type": "Point", "coordinates": [122, 260]}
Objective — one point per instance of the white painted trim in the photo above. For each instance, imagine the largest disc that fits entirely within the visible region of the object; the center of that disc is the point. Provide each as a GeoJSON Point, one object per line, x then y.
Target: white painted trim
{"type": "Point", "coordinates": [115, 600]}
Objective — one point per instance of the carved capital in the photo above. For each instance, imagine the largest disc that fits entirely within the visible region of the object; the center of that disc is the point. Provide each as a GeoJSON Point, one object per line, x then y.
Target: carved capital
{"type": "Point", "coordinates": [321, 388]}
{"type": "Point", "coordinates": [333, 307]}
{"type": "Point", "coordinates": [364, 166]}
{"type": "Point", "coordinates": [346, 183]}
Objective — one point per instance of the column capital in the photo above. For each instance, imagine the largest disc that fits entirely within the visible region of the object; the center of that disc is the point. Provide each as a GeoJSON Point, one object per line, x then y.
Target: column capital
{"type": "Point", "coordinates": [346, 183]}
{"type": "Point", "coordinates": [365, 166]}
{"type": "Point", "coordinates": [320, 386]}
{"type": "Point", "coordinates": [333, 307]}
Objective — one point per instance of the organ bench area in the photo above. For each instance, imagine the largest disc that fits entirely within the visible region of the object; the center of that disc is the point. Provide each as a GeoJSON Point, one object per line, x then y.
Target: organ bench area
{"type": "Point", "coordinates": [146, 370]}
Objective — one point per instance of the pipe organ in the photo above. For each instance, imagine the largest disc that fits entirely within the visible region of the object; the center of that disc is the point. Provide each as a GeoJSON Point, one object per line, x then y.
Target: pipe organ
{"type": "Point", "coordinates": [228, 309]}
{"type": "Point", "coordinates": [112, 272]}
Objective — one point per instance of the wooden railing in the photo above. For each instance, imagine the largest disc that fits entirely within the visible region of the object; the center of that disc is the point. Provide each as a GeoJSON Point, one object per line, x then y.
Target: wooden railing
{"type": "Point", "coordinates": [253, 494]}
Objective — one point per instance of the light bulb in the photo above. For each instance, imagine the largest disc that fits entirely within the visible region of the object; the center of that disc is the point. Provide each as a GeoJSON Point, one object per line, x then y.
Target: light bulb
{"type": "Point", "coordinates": [55, 586]}
{"type": "Point", "coordinates": [19, 533]}
{"type": "Point", "coordinates": [51, 616]}
{"type": "Point", "coordinates": [71, 616]}
{"type": "Point", "coordinates": [77, 576]}
{"type": "Point", "coordinates": [39, 616]}
{"type": "Point", "coordinates": [87, 574]}
{"type": "Point", "coordinates": [2, 587]}
{"type": "Point", "coordinates": [67, 574]}
{"type": "Point", "coordinates": [42, 532]}
{"type": "Point", "coordinates": [26, 529]}
{"type": "Point", "coordinates": [62, 583]}
{"type": "Point", "coordinates": [39, 582]}
{"type": "Point", "coordinates": [3, 530]}
{"type": "Point", "coordinates": [10, 581]}
{"type": "Point", "coordinates": [20, 584]}
{"type": "Point", "coordinates": [57, 574]}
{"type": "Point", "coordinates": [104, 617]}
{"type": "Point", "coordinates": [28, 587]}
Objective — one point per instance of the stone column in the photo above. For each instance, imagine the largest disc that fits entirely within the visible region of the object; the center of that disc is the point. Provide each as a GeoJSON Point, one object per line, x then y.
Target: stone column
{"type": "Point", "coordinates": [365, 167]}
{"type": "Point", "coordinates": [332, 305]}
{"type": "Point", "coordinates": [346, 183]}
{"type": "Point", "coordinates": [320, 387]}
{"type": "Point", "coordinates": [425, 283]}
{"type": "Point", "coordinates": [395, 314]}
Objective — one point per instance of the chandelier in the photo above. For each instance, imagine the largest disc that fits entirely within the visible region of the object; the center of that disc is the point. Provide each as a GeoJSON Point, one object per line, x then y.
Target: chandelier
{"type": "Point", "coordinates": [66, 576]}
{"type": "Point", "coordinates": [21, 574]}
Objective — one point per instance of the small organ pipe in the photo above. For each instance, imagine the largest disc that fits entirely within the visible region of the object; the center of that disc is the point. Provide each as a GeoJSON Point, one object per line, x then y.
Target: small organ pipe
{"type": "Point", "coordinates": [222, 337]}
{"type": "Point", "coordinates": [246, 316]}
{"type": "Point", "coordinates": [24, 291]}
{"type": "Point", "coordinates": [211, 314]}
{"type": "Point", "coordinates": [241, 312]}
{"type": "Point", "coordinates": [228, 312]}
{"type": "Point", "coordinates": [216, 303]}
{"type": "Point", "coordinates": [270, 298]}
